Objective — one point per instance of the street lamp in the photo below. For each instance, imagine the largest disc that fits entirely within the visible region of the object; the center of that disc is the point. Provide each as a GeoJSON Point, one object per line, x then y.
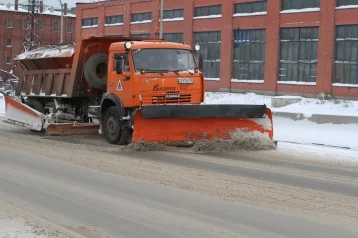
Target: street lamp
{"type": "Point", "coordinates": [61, 33]}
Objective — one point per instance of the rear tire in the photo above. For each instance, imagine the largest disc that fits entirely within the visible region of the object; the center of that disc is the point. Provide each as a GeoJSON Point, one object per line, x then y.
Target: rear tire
{"type": "Point", "coordinates": [95, 70]}
{"type": "Point", "coordinates": [113, 127]}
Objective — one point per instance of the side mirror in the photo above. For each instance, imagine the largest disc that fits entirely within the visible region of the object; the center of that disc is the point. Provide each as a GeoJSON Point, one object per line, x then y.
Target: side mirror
{"type": "Point", "coordinates": [201, 62]}
{"type": "Point", "coordinates": [118, 59]}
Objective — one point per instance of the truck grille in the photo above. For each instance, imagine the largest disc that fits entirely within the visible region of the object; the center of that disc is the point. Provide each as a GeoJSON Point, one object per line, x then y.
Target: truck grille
{"type": "Point", "coordinates": [173, 97]}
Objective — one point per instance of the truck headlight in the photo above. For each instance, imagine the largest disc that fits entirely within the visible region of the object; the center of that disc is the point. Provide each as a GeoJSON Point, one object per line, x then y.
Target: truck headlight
{"type": "Point", "coordinates": [127, 45]}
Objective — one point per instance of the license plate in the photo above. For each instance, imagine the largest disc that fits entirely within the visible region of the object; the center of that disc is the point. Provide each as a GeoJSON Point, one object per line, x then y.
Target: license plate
{"type": "Point", "coordinates": [185, 81]}
{"type": "Point", "coordinates": [168, 96]}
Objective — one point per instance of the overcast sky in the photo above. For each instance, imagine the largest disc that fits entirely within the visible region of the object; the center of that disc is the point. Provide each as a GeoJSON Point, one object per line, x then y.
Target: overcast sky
{"type": "Point", "coordinates": [71, 3]}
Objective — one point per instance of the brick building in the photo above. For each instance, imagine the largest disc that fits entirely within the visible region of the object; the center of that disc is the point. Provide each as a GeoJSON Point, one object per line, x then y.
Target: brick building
{"type": "Point", "coordinates": [13, 19]}
{"type": "Point", "coordinates": [274, 47]}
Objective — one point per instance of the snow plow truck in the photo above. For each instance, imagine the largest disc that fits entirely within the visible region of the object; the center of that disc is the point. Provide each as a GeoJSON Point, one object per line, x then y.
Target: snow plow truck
{"type": "Point", "coordinates": [127, 89]}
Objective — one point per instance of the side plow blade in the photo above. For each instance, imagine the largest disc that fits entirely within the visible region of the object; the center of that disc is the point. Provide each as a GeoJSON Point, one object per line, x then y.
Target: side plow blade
{"type": "Point", "coordinates": [62, 129]}
{"type": "Point", "coordinates": [17, 113]}
{"type": "Point", "coordinates": [185, 124]}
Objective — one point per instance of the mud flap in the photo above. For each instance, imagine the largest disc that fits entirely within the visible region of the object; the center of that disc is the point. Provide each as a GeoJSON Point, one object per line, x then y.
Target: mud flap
{"type": "Point", "coordinates": [17, 113]}
{"type": "Point", "coordinates": [185, 124]}
{"type": "Point", "coordinates": [75, 128]}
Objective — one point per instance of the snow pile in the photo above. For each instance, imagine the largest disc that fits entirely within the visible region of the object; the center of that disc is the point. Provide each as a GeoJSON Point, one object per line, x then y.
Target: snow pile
{"type": "Point", "coordinates": [11, 228]}
{"type": "Point", "coordinates": [48, 52]}
{"type": "Point", "coordinates": [307, 106]}
{"type": "Point", "coordinates": [2, 105]}
{"type": "Point", "coordinates": [307, 132]}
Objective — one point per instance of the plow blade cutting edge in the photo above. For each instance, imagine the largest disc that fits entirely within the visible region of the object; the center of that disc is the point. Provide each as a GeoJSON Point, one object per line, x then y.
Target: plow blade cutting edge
{"type": "Point", "coordinates": [183, 124]}
{"type": "Point", "coordinates": [74, 128]}
{"type": "Point", "coordinates": [17, 113]}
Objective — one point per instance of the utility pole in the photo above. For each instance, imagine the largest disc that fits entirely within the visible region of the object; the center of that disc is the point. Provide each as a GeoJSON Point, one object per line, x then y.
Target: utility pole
{"type": "Point", "coordinates": [161, 20]}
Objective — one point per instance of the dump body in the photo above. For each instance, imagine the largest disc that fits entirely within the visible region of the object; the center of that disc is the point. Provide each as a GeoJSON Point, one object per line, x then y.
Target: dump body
{"type": "Point", "coordinates": [57, 70]}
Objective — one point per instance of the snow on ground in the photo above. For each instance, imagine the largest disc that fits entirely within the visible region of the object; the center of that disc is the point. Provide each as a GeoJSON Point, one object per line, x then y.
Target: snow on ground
{"type": "Point", "coordinates": [14, 228]}
{"type": "Point", "coordinates": [306, 136]}
{"type": "Point", "coordinates": [2, 105]}
{"type": "Point", "coordinates": [307, 106]}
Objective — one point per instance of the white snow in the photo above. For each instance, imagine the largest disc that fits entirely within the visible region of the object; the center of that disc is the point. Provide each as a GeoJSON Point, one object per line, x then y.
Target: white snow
{"type": "Point", "coordinates": [249, 14]}
{"type": "Point", "coordinates": [313, 9]}
{"type": "Point", "coordinates": [305, 136]}
{"type": "Point", "coordinates": [2, 105]}
{"type": "Point", "coordinates": [141, 22]}
{"type": "Point", "coordinates": [48, 51]}
{"type": "Point", "coordinates": [208, 17]}
{"type": "Point", "coordinates": [307, 106]}
{"type": "Point", "coordinates": [296, 83]}
{"type": "Point", "coordinates": [14, 228]}
{"type": "Point", "coordinates": [114, 24]}
{"type": "Point", "coordinates": [212, 79]}
{"type": "Point", "coordinates": [345, 85]}
{"type": "Point", "coordinates": [92, 26]}
{"type": "Point", "coordinates": [347, 7]}
{"type": "Point", "coordinates": [46, 11]}
{"type": "Point", "coordinates": [246, 81]}
{"type": "Point", "coordinates": [174, 19]}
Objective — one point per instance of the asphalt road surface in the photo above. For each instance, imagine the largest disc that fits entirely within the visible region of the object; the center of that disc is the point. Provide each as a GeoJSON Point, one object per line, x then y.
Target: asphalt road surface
{"type": "Point", "coordinates": [83, 187]}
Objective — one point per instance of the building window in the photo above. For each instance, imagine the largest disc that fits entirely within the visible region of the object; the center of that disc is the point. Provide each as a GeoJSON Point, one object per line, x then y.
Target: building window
{"type": "Point", "coordinates": [346, 2]}
{"type": "Point", "coordinates": [9, 23]}
{"type": "Point", "coordinates": [25, 24]}
{"type": "Point", "coordinates": [210, 48]}
{"type": "Point", "coordinates": [90, 21]}
{"type": "Point", "coordinates": [298, 58]}
{"type": "Point", "coordinates": [140, 35]}
{"type": "Point", "coordinates": [173, 37]}
{"type": "Point", "coordinates": [207, 11]}
{"type": "Point", "coordinates": [54, 27]}
{"type": "Point", "coordinates": [69, 28]}
{"type": "Point", "coordinates": [141, 17]}
{"type": "Point", "coordinates": [8, 43]}
{"type": "Point", "coordinates": [346, 54]}
{"type": "Point", "coordinates": [175, 13]}
{"type": "Point", "coordinates": [41, 26]}
{"type": "Point", "coordinates": [114, 19]}
{"type": "Point", "coordinates": [8, 60]}
{"type": "Point", "coordinates": [300, 4]}
{"type": "Point", "coordinates": [249, 54]}
{"type": "Point", "coordinates": [251, 7]}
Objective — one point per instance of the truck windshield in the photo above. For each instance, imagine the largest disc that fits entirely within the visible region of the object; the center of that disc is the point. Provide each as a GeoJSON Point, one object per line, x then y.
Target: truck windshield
{"type": "Point", "coordinates": [163, 60]}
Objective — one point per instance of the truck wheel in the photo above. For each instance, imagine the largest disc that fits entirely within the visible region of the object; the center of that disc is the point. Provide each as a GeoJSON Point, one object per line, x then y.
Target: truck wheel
{"type": "Point", "coordinates": [95, 70]}
{"type": "Point", "coordinates": [35, 104]}
{"type": "Point", "coordinates": [113, 129]}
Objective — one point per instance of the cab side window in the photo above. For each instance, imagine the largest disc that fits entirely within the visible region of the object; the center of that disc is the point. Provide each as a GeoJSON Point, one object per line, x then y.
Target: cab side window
{"type": "Point", "coordinates": [125, 63]}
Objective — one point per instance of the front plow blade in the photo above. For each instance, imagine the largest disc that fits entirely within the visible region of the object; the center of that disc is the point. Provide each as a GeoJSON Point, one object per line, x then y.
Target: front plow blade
{"type": "Point", "coordinates": [185, 124]}
{"type": "Point", "coordinates": [20, 114]}
{"type": "Point", "coordinates": [61, 129]}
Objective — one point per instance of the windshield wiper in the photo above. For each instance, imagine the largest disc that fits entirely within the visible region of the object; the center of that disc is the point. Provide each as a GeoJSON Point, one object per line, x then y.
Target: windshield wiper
{"type": "Point", "coordinates": [161, 71]}
{"type": "Point", "coordinates": [186, 70]}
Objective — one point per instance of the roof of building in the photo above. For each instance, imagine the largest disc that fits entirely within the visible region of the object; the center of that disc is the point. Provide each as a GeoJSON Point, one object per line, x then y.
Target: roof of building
{"type": "Point", "coordinates": [47, 10]}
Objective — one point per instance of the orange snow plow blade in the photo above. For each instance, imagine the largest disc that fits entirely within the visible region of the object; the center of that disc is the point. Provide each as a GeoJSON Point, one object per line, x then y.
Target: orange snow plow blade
{"type": "Point", "coordinates": [17, 113]}
{"type": "Point", "coordinates": [75, 128]}
{"type": "Point", "coordinates": [185, 124]}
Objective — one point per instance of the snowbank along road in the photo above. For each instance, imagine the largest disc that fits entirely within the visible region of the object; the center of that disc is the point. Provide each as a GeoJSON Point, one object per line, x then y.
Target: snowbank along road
{"type": "Point", "coordinates": [81, 186]}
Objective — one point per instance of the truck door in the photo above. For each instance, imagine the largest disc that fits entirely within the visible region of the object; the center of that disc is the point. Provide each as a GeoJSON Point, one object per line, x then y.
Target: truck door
{"type": "Point", "coordinates": [120, 74]}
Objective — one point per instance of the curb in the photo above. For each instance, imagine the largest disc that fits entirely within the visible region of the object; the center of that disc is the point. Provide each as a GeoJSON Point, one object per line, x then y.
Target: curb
{"type": "Point", "coordinates": [319, 118]}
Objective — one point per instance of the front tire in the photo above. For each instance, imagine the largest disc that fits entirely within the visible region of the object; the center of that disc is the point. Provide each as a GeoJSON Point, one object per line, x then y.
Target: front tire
{"type": "Point", "coordinates": [113, 127]}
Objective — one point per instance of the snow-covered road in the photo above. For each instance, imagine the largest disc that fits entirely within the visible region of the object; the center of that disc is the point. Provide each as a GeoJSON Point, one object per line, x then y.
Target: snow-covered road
{"type": "Point", "coordinates": [306, 133]}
